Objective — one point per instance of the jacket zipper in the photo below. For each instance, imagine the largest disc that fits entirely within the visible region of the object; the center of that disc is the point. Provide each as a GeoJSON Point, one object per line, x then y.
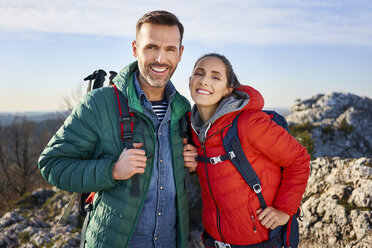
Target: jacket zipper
{"type": "Point", "coordinates": [214, 201]}
{"type": "Point", "coordinates": [209, 184]}
{"type": "Point", "coordinates": [254, 223]}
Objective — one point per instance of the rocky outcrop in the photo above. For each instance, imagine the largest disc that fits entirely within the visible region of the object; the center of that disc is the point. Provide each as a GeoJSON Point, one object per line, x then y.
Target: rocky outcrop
{"type": "Point", "coordinates": [337, 205]}
{"type": "Point", "coordinates": [341, 124]}
{"type": "Point", "coordinates": [34, 222]}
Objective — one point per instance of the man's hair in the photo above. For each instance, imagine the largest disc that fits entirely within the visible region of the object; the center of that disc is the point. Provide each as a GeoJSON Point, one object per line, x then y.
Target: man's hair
{"type": "Point", "coordinates": [160, 17]}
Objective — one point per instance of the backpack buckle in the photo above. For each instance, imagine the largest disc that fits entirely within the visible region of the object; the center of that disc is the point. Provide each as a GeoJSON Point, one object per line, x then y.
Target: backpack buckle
{"type": "Point", "coordinates": [257, 188]}
{"type": "Point", "coordinates": [232, 154]}
{"type": "Point", "coordinates": [125, 119]}
{"type": "Point", "coordinates": [219, 244]}
{"type": "Point", "coordinates": [216, 160]}
{"type": "Point", "coordinates": [127, 136]}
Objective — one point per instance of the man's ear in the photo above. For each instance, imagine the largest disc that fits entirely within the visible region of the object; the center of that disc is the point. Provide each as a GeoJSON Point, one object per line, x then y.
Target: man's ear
{"type": "Point", "coordinates": [134, 48]}
{"type": "Point", "coordinates": [181, 51]}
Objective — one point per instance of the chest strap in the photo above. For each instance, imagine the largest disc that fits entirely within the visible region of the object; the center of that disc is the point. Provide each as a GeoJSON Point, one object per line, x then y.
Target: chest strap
{"type": "Point", "coordinates": [216, 159]}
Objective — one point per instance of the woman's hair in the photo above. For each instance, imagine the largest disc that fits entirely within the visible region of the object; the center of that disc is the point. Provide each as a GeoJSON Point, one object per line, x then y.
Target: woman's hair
{"type": "Point", "coordinates": [232, 80]}
{"type": "Point", "coordinates": [160, 17]}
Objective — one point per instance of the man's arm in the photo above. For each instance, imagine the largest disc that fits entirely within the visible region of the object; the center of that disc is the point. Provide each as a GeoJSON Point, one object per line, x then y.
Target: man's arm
{"type": "Point", "coordinates": [67, 161]}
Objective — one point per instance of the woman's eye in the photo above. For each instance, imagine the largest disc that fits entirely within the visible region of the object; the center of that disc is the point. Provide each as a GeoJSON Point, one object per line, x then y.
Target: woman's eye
{"type": "Point", "coordinates": [216, 78]}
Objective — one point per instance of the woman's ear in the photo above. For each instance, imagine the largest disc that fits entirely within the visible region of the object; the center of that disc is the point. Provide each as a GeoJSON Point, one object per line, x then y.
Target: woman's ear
{"type": "Point", "coordinates": [229, 90]}
{"type": "Point", "coordinates": [189, 82]}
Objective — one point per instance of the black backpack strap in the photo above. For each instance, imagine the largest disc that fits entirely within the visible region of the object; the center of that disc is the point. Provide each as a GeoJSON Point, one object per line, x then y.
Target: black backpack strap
{"type": "Point", "coordinates": [186, 133]}
{"type": "Point", "coordinates": [125, 122]}
{"type": "Point", "coordinates": [231, 143]}
{"type": "Point", "coordinates": [277, 118]}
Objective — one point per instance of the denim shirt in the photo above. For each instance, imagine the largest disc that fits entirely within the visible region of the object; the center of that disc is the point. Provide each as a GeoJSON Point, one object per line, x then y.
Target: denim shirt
{"type": "Point", "coordinates": [157, 222]}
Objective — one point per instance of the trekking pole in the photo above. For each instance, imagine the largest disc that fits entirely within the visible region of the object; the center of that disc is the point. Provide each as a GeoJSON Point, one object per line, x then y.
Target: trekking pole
{"type": "Point", "coordinates": [99, 77]}
{"type": "Point", "coordinates": [69, 207]}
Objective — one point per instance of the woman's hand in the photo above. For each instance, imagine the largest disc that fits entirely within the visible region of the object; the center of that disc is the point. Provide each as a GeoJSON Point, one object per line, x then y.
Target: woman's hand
{"type": "Point", "coordinates": [272, 217]}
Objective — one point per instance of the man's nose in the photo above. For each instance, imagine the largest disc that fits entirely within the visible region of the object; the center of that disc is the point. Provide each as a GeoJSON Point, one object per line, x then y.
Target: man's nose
{"type": "Point", "coordinates": [160, 57]}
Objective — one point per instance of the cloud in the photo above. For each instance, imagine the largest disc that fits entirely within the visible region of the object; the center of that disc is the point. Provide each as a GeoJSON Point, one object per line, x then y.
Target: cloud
{"type": "Point", "coordinates": [220, 21]}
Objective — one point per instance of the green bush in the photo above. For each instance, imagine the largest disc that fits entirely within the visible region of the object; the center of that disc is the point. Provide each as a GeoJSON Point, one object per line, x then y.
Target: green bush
{"type": "Point", "coordinates": [24, 237]}
{"type": "Point", "coordinates": [302, 132]}
{"type": "Point", "coordinates": [300, 128]}
{"type": "Point", "coordinates": [345, 126]}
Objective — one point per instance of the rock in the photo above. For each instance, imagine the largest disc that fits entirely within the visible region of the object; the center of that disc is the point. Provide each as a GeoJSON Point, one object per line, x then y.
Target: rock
{"type": "Point", "coordinates": [37, 225]}
{"type": "Point", "coordinates": [337, 204]}
{"type": "Point", "coordinates": [341, 123]}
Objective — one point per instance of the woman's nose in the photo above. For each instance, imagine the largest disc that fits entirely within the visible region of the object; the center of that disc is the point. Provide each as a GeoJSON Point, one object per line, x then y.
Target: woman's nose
{"type": "Point", "coordinates": [204, 81]}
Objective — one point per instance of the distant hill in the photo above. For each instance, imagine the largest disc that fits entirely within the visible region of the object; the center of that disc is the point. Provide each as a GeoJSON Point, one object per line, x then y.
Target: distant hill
{"type": "Point", "coordinates": [281, 110]}
{"type": "Point", "coordinates": [7, 118]}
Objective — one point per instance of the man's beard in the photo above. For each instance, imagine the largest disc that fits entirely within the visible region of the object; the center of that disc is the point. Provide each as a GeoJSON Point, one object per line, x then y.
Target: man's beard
{"type": "Point", "coordinates": [157, 82]}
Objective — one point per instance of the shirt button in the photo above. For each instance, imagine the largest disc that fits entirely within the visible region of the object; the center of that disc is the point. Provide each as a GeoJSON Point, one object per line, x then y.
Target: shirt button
{"type": "Point", "coordinates": [159, 133]}
{"type": "Point", "coordinates": [156, 238]}
{"type": "Point", "coordinates": [161, 187]}
{"type": "Point", "coordinates": [161, 160]}
{"type": "Point", "coordinates": [159, 213]}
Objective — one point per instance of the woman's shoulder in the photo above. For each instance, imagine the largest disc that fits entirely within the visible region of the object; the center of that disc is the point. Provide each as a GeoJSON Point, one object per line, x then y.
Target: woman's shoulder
{"type": "Point", "coordinates": [253, 116]}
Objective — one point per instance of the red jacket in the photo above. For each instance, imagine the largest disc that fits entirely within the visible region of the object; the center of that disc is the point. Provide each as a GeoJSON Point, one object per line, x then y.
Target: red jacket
{"type": "Point", "coordinates": [282, 164]}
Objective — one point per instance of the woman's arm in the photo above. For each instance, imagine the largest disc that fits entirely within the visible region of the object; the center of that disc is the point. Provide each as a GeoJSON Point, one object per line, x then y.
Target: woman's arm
{"type": "Point", "coordinates": [282, 149]}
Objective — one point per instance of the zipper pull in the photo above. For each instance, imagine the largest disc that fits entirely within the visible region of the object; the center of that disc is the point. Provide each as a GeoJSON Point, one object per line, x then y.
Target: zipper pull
{"type": "Point", "coordinates": [254, 223]}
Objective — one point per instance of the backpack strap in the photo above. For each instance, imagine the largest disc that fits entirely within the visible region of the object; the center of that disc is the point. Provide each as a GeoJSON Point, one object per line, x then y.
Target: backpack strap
{"type": "Point", "coordinates": [186, 133]}
{"type": "Point", "coordinates": [232, 144]}
{"type": "Point", "coordinates": [126, 128]}
{"type": "Point", "coordinates": [277, 118]}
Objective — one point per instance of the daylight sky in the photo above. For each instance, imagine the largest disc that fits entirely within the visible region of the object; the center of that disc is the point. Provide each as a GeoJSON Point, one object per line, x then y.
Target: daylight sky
{"type": "Point", "coordinates": [285, 49]}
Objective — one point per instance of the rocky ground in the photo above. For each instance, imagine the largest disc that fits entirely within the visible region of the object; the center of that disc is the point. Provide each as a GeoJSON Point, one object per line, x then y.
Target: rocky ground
{"type": "Point", "coordinates": [337, 204]}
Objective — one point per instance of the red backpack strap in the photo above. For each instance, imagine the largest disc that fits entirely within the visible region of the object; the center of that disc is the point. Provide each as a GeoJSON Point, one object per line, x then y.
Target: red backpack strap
{"type": "Point", "coordinates": [126, 130]}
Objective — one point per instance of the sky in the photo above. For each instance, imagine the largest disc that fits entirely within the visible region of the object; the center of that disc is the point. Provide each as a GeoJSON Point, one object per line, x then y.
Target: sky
{"type": "Point", "coordinates": [287, 50]}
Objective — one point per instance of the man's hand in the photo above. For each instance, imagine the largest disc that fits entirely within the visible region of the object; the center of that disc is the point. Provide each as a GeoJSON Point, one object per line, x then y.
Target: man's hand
{"type": "Point", "coordinates": [130, 162]}
{"type": "Point", "coordinates": [272, 217]}
{"type": "Point", "coordinates": [189, 154]}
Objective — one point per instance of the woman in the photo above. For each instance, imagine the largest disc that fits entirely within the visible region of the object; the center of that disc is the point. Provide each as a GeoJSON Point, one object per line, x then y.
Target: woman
{"type": "Point", "coordinates": [231, 210]}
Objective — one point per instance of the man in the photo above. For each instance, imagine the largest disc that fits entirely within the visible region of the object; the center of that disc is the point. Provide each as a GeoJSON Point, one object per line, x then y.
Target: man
{"type": "Point", "coordinates": [86, 154]}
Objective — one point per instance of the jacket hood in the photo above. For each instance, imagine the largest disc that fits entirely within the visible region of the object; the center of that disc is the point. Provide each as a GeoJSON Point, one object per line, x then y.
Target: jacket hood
{"type": "Point", "coordinates": [243, 98]}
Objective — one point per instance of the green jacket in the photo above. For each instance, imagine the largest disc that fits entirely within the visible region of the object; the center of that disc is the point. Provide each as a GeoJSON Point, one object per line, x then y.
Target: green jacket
{"type": "Point", "coordinates": [81, 155]}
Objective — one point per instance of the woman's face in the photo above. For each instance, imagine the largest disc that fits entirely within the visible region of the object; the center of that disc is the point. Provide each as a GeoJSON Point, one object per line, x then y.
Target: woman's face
{"type": "Point", "coordinates": [208, 83]}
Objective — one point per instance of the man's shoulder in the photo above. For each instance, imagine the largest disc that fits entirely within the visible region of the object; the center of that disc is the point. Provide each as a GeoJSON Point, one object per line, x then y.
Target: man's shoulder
{"type": "Point", "coordinates": [179, 99]}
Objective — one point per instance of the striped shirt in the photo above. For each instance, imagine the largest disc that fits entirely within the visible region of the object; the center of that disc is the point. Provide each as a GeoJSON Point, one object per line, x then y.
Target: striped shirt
{"type": "Point", "coordinates": [160, 108]}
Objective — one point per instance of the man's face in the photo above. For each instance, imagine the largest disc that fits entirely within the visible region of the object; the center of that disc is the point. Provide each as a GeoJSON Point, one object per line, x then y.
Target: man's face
{"type": "Point", "coordinates": [158, 51]}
